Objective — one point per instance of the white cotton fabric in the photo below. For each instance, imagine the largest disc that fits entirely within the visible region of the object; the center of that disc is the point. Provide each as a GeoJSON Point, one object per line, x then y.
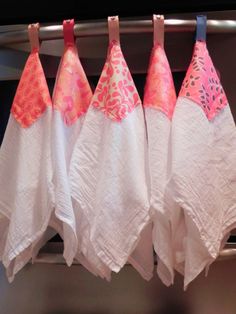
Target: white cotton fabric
{"type": "Point", "coordinates": [88, 257]}
{"type": "Point", "coordinates": [108, 176]}
{"type": "Point", "coordinates": [203, 183]}
{"type": "Point", "coordinates": [26, 197]}
{"type": "Point", "coordinates": [142, 258]}
{"type": "Point", "coordinates": [158, 129]}
{"type": "Point", "coordinates": [63, 141]}
{"type": "Point", "coordinates": [65, 219]}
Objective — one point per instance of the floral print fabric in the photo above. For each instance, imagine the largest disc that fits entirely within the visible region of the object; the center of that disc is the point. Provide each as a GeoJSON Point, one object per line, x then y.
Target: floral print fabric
{"type": "Point", "coordinates": [202, 84]}
{"type": "Point", "coordinates": [116, 94]}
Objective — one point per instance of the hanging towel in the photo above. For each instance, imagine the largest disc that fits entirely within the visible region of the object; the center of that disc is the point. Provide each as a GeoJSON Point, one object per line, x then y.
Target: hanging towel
{"type": "Point", "coordinates": [108, 170]}
{"type": "Point", "coordinates": [203, 179]}
{"type": "Point", "coordinates": [159, 103]}
{"type": "Point", "coordinates": [26, 192]}
{"type": "Point", "coordinates": [71, 98]}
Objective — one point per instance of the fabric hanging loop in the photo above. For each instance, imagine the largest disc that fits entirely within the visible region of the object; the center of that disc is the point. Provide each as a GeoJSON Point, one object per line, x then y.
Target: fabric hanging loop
{"type": "Point", "coordinates": [158, 30]}
{"type": "Point", "coordinates": [33, 32]}
{"type": "Point", "coordinates": [68, 32]}
{"type": "Point", "coordinates": [201, 28]}
{"type": "Point", "coordinates": [114, 30]}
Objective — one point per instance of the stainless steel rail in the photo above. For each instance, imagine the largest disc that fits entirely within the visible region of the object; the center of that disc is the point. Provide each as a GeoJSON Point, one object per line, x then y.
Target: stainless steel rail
{"type": "Point", "coordinates": [88, 29]}
{"type": "Point", "coordinates": [55, 258]}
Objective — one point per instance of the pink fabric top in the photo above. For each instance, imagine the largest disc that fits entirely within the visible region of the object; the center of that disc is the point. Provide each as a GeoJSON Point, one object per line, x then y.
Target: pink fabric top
{"type": "Point", "coordinates": [32, 95]}
{"type": "Point", "coordinates": [72, 93]}
{"type": "Point", "coordinates": [202, 84]}
{"type": "Point", "coordinates": [159, 89]}
{"type": "Point", "coordinates": [115, 94]}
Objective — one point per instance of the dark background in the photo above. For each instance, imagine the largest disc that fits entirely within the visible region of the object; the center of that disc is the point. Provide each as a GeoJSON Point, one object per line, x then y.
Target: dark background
{"type": "Point", "coordinates": [25, 11]}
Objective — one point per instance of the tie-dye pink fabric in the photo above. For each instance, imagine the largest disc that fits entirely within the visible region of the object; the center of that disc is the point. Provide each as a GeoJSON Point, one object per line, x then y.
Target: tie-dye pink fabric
{"type": "Point", "coordinates": [116, 94]}
{"type": "Point", "coordinates": [72, 93]}
{"type": "Point", "coordinates": [159, 90]}
{"type": "Point", "coordinates": [32, 95]}
{"type": "Point", "coordinates": [202, 84]}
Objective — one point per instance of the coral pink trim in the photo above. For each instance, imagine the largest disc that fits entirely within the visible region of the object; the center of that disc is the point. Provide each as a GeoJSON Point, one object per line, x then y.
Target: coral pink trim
{"type": "Point", "coordinates": [32, 95]}
{"type": "Point", "coordinates": [159, 89]}
{"type": "Point", "coordinates": [72, 92]}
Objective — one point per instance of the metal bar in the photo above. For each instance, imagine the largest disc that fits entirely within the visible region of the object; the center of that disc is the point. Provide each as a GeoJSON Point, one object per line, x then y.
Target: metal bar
{"type": "Point", "coordinates": [55, 258]}
{"type": "Point", "coordinates": [99, 28]}
{"type": "Point", "coordinates": [226, 254]}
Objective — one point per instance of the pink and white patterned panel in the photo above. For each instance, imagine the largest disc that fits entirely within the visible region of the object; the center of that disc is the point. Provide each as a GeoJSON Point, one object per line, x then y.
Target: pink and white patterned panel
{"type": "Point", "coordinates": [116, 95]}
{"type": "Point", "coordinates": [202, 84]}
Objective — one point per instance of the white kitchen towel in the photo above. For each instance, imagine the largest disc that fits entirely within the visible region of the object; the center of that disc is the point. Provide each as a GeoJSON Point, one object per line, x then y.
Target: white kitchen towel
{"type": "Point", "coordinates": [203, 179]}
{"type": "Point", "coordinates": [159, 103]}
{"type": "Point", "coordinates": [108, 169]}
{"type": "Point", "coordinates": [71, 97]}
{"type": "Point", "coordinates": [26, 192]}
